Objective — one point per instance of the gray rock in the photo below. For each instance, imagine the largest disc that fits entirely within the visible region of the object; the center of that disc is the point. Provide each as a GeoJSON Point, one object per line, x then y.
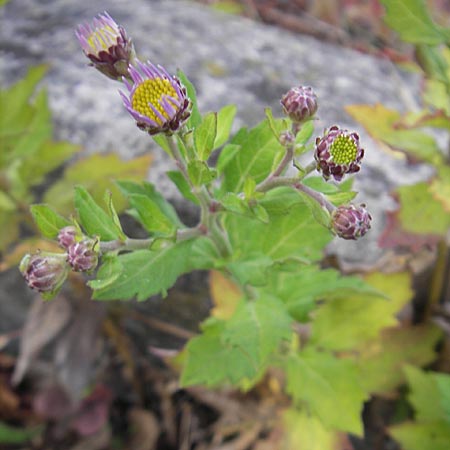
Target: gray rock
{"type": "Point", "coordinates": [229, 59]}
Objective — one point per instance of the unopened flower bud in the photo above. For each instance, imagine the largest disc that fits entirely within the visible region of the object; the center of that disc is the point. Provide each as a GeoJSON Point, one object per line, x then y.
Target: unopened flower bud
{"type": "Point", "coordinates": [350, 221]}
{"type": "Point", "coordinates": [300, 103]}
{"type": "Point", "coordinates": [338, 152]}
{"type": "Point", "coordinates": [156, 100]}
{"type": "Point", "coordinates": [287, 138]}
{"type": "Point", "coordinates": [82, 256]}
{"type": "Point", "coordinates": [44, 272]}
{"type": "Point", "coordinates": [107, 46]}
{"type": "Point", "coordinates": [67, 236]}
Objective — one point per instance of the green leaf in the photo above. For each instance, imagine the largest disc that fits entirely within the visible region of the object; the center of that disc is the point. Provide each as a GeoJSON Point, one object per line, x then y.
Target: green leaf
{"type": "Point", "coordinates": [305, 133]}
{"type": "Point", "coordinates": [149, 272]}
{"type": "Point", "coordinates": [14, 435]}
{"type": "Point", "coordinates": [212, 362]}
{"type": "Point", "coordinates": [412, 21]}
{"type": "Point", "coordinates": [257, 327]}
{"type": "Point", "coordinates": [381, 123]}
{"type": "Point", "coordinates": [305, 431]}
{"type": "Point", "coordinates": [205, 136]}
{"type": "Point", "coordinates": [290, 232]}
{"type": "Point", "coordinates": [151, 216]}
{"type": "Point", "coordinates": [149, 190]}
{"type": "Point", "coordinates": [429, 394]}
{"type": "Point", "coordinates": [47, 220]}
{"type": "Point", "coordinates": [253, 270]}
{"type": "Point", "coordinates": [302, 287]}
{"type": "Point", "coordinates": [9, 224]}
{"type": "Point", "coordinates": [349, 321]}
{"type": "Point", "coordinates": [420, 212]}
{"type": "Point", "coordinates": [200, 173]}
{"type": "Point", "coordinates": [162, 141]}
{"type": "Point", "coordinates": [97, 173]}
{"type": "Point", "coordinates": [259, 149]}
{"type": "Point", "coordinates": [225, 119]}
{"type": "Point", "coordinates": [330, 387]}
{"type": "Point", "coordinates": [227, 154]}
{"type": "Point", "coordinates": [93, 218]}
{"type": "Point", "coordinates": [421, 436]}
{"type": "Point", "coordinates": [180, 182]}
{"type": "Point", "coordinates": [195, 117]}
{"type": "Point", "coordinates": [15, 100]}
{"type": "Point", "coordinates": [110, 270]}
{"type": "Point", "coordinates": [382, 359]}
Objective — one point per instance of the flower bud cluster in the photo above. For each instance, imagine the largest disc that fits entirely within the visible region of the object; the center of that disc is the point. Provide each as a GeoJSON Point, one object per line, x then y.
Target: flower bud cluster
{"type": "Point", "coordinates": [46, 272]}
{"type": "Point", "coordinates": [300, 103]}
{"type": "Point", "coordinates": [350, 221]}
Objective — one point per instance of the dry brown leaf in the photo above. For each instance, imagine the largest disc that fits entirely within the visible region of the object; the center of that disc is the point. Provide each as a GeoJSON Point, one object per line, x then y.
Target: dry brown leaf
{"type": "Point", "coordinates": [145, 428]}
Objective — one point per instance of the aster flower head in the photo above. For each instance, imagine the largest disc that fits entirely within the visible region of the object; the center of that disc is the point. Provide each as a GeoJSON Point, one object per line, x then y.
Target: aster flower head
{"type": "Point", "coordinates": [156, 100]}
{"type": "Point", "coordinates": [350, 221]}
{"type": "Point", "coordinates": [300, 103]}
{"type": "Point", "coordinates": [107, 46]}
{"type": "Point", "coordinates": [82, 256]}
{"type": "Point", "coordinates": [338, 152]}
{"type": "Point", "coordinates": [45, 272]}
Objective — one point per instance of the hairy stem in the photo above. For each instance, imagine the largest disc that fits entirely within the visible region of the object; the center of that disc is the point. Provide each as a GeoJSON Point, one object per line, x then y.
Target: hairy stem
{"type": "Point", "coordinates": [317, 196]}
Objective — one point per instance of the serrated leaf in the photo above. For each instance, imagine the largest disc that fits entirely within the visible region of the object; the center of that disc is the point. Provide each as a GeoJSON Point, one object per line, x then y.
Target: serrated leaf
{"type": "Point", "coordinates": [429, 394]}
{"type": "Point", "coordinates": [420, 436]}
{"type": "Point", "coordinates": [151, 216]}
{"type": "Point", "coordinates": [47, 220]}
{"type": "Point", "coordinates": [205, 135]}
{"type": "Point", "coordinates": [348, 321]}
{"type": "Point", "coordinates": [195, 118]}
{"type": "Point", "coordinates": [420, 212]}
{"type": "Point", "coordinates": [412, 21]}
{"type": "Point", "coordinates": [93, 218]}
{"type": "Point", "coordinates": [301, 287]}
{"type": "Point", "coordinates": [381, 122]}
{"type": "Point", "coordinates": [382, 359]}
{"type": "Point", "coordinates": [225, 119]}
{"type": "Point", "coordinates": [149, 272]}
{"type": "Point", "coordinates": [257, 327]}
{"type": "Point", "coordinates": [328, 386]}
{"type": "Point", "coordinates": [212, 362]}
{"type": "Point", "coordinates": [97, 173]}
{"type": "Point", "coordinates": [258, 150]}
{"type": "Point", "coordinates": [291, 231]}
{"type": "Point", "coordinates": [180, 182]}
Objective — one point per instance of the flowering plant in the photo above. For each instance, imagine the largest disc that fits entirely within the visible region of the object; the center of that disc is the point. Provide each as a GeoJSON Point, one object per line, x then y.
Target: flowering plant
{"type": "Point", "coordinates": [265, 217]}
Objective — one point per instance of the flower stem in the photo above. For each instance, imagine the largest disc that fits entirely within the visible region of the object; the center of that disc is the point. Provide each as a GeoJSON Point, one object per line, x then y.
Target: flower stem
{"type": "Point", "coordinates": [317, 196]}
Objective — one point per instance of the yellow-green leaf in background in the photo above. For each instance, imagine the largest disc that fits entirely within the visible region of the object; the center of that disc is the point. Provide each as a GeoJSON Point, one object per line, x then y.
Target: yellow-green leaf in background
{"type": "Point", "coordinates": [350, 320]}
{"type": "Point", "coordinates": [382, 359]}
{"type": "Point", "coordinates": [420, 212]}
{"type": "Point", "coordinates": [97, 174]}
{"type": "Point", "coordinates": [380, 122]}
{"type": "Point", "coordinates": [304, 431]}
{"type": "Point", "coordinates": [440, 187]}
{"type": "Point", "coordinates": [421, 436]}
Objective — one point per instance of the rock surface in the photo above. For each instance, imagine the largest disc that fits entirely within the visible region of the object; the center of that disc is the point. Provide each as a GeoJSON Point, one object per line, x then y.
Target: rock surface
{"type": "Point", "coordinates": [229, 59]}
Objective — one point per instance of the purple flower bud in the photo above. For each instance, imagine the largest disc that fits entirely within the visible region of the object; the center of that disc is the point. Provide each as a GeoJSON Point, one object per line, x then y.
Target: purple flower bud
{"type": "Point", "coordinates": [82, 256]}
{"type": "Point", "coordinates": [107, 46]}
{"type": "Point", "coordinates": [156, 100]}
{"type": "Point", "coordinates": [300, 103]}
{"type": "Point", "coordinates": [67, 236]}
{"type": "Point", "coordinates": [45, 272]}
{"type": "Point", "coordinates": [350, 221]}
{"type": "Point", "coordinates": [338, 152]}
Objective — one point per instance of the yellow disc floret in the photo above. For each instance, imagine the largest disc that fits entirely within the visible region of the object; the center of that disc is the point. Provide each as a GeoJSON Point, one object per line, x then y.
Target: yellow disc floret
{"type": "Point", "coordinates": [150, 92]}
{"type": "Point", "coordinates": [343, 150]}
